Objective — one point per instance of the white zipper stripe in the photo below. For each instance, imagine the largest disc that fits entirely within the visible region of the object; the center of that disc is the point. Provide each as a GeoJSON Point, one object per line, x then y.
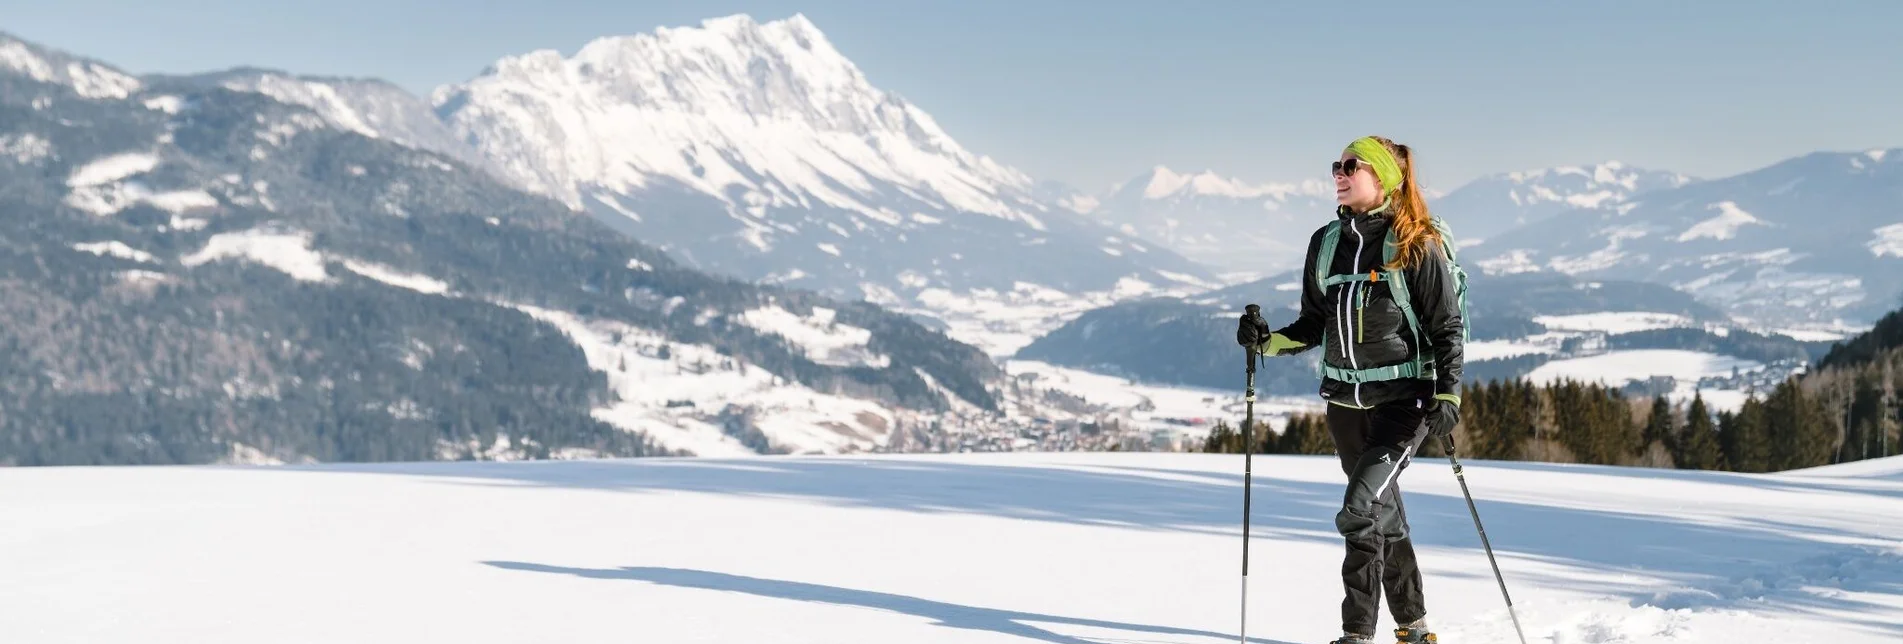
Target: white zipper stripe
{"type": "Point", "coordinates": [1349, 341]}
{"type": "Point", "coordinates": [1341, 325]}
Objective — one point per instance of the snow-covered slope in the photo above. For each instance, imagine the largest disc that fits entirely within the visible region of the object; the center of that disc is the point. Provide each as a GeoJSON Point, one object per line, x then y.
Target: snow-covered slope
{"type": "Point", "coordinates": [1241, 229]}
{"type": "Point", "coordinates": [243, 250]}
{"type": "Point", "coordinates": [1493, 204]}
{"type": "Point", "coordinates": [85, 77]}
{"type": "Point", "coordinates": [1804, 242]}
{"type": "Point", "coordinates": [367, 106]}
{"type": "Point", "coordinates": [759, 150]}
{"type": "Point", "coordinates": [974, 548]}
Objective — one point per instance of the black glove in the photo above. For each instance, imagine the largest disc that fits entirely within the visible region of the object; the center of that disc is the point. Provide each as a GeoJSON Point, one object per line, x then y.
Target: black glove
{"type": "Point", "coordinates": [1442, 416]}
{"type": "Point", "coordinates": [1251, 330]}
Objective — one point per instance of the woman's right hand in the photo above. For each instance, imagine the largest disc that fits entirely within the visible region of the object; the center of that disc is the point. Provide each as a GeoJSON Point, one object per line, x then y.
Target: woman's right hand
{"type": "Point", "coordinates": [1277, 344]}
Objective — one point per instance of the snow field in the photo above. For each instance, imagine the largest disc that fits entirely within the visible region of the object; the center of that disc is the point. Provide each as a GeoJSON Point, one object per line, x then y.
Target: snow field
{"type": "Point", "coordinates": [702, 382]}
{"type": "Point", "coordinates": [823, 339]}
{"type": "Point", "coordinates": [1167, 402]}
{"type": "Point", "coordinates": [1070, 548]}
{"type": "Point", "coordinates": [287, 251]}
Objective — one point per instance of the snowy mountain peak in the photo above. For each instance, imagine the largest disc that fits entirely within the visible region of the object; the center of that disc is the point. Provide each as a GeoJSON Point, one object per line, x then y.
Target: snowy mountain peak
{"type": "Point", "coordinates": [1164, 183]}
{"type": "Point", "coordinates": [1871, 159]}
{"type": "Point", "coordinates": [1604, 177]}
{"type": "Point", "coordinates": [758, 150]}
{"type": "Point", "coordinates": [770, 109]}
{"type": "Point", "coordinates": [1493, 204]}
{"type": "Point", "coordinates": [86, 78]}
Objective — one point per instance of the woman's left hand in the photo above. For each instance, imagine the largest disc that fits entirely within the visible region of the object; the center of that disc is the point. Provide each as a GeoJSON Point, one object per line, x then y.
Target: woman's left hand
{"type": "Point", "coordinates": [1443, 416]}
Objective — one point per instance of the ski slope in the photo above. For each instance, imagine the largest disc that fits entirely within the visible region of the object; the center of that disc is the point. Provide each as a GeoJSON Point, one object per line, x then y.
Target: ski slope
{"type": "Point", "coordinates": [1064, 548]}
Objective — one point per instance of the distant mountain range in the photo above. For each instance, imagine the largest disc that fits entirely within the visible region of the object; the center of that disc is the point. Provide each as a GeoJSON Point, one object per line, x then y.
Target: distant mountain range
{"type": "Point", "coordinates": [1236, 228]}
{"type": "Point", "coordinates": [1494, 204]}
{"type": "Point", "coordinates": [1807, 241]}
{"type": "Point", "coordinates": [756, 150]}
{"type": "Point", "coordinates": [734, 208]}
{"type": "Point", "coordinates": [197, 270]}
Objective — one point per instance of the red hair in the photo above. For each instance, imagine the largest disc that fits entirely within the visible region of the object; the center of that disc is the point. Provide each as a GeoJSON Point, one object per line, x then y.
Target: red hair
{"type": "Point", "coordinates": [1413, 224]}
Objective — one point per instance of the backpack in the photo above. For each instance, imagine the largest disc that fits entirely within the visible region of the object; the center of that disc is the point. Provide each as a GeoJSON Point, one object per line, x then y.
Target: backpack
{"type": "Point", "coordinates": [1422, 365]}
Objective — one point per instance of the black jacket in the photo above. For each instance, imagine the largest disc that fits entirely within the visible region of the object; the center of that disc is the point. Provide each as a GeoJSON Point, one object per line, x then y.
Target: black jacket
{"type": "Point", "coordinates": [1364, 315]}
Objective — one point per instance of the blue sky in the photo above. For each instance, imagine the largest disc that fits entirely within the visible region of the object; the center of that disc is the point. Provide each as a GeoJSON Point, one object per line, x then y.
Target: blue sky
{"type": "Point", "coordinates": [1096, 92]}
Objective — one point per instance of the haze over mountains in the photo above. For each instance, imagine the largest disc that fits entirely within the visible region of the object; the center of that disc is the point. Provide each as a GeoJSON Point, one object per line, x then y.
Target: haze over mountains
{"type": "Point", "coordinates": [756, 149]}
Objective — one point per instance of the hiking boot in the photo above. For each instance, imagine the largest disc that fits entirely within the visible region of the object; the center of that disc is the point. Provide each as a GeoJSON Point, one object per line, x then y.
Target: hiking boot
{"type": "Point", "coordinates": [1354, 638]}
{"type": "Point", "coordinates": [1414, 636]}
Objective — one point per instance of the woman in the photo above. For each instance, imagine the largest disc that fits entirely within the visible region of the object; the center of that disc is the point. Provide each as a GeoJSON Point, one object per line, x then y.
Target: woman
{"type": "Point", "coordinates": [1391, 374]}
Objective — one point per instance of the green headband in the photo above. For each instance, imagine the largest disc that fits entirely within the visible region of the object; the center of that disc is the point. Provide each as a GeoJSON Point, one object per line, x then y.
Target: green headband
{"type": "Point", "coordinates": [1376, 155]}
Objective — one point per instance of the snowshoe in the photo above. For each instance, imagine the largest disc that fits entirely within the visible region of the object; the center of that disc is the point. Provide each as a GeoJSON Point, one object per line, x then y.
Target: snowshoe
{"type": "Point", "coordinates": [1415, 636]}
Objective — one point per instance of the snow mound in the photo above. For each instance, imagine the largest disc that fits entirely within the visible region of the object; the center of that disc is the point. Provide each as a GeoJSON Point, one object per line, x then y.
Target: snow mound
{"type": "Point", "coordinates": [1888, 241]}
{"type": "Point", "coordinates": [1618, 367]}
{"type": "Point", "coordinates": [102, 187]}
{"type": "Point", "coordinates": [167, 104]}
{"type": "Point", "coordinates": [113, 197]}
{"type": "Point", "coordinates": [115, 249]}
{"type": "Point", "coordinates": [287, 251]}
{"type": "Point", "coordinates": [88, 79]}
{"type": "Point", "coordinates": [112, 168]}
{"type": "Point", "coordinates": [1725, 225]}
{"type": "Point", "coordinates": [823, 339]}
{"type": "Point", "coordinates": [412, 281]}
{"type": "Point", "coordinates": [180, 201]}
{"type": "Point", "coordinates": [1496, 349]}
{"type": "Point", "coordinates": [1614, 321]}
{"type": "Point", "coordinates": [25, 148]}
{"type": "Point", "coordinates": [1515, 261]}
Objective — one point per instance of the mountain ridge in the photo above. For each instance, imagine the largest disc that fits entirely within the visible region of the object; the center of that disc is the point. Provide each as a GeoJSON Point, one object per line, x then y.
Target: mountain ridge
{"type": "Point", "coordinates": [756, 149]}
{"type": "Point", "coordinates": [224, 276]}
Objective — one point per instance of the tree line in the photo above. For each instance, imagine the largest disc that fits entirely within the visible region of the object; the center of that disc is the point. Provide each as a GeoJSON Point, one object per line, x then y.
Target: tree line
{"type": "Point", "coordinates": [1836, 415]}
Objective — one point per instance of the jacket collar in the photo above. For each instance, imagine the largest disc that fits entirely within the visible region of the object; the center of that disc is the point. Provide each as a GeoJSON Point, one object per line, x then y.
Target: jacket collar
{"type": "Point", "coordinates": [1381, 213]}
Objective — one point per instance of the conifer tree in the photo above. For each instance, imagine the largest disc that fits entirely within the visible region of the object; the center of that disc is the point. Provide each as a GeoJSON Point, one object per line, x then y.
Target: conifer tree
{"type": "Point", "coordinates": [1698, 441]}
{"type": "Point", "coordinates": [1747, 440]}
{"type": "Point", "coordinates": [1659, 426]}
{"type": "Point", "coordinates": [1798, 430]}
{"type": "Point", "coordinates": [1519, 416]}
{"type": "Point", "coordinates": [1861, 436]}
{"type": "Point", "coordinates": [1222, 439]}
{"type": "Point", "coordinates": [1307, 434]}
{"type": "Point", "coordinates": [1660, 435]}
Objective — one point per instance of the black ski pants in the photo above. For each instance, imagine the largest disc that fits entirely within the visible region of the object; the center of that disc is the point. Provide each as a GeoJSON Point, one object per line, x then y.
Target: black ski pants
{"type": "Point", "coordinates": [1374, 446]}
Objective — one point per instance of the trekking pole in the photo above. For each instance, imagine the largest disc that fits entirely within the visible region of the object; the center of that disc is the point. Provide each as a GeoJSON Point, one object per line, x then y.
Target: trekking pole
{"type": "Point", "coordinates": [1448, 442]}
{"type": "Point", "coordinates": [1248, 467]}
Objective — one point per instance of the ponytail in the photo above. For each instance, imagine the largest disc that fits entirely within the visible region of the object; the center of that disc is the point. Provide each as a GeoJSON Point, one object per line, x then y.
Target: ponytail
{"type": "Point", "coordinates": [1413, 224]}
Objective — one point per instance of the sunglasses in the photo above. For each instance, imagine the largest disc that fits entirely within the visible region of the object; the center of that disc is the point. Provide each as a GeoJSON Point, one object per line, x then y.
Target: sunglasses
{"type": "Point", "coordinates": [1346, 167]}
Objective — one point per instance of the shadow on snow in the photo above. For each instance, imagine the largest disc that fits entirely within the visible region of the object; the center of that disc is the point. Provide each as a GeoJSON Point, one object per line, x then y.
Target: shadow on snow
{"type": "Point", "coordinates": [1008, 622]}
{"type": "Point", "coordinates": [1724, 559]}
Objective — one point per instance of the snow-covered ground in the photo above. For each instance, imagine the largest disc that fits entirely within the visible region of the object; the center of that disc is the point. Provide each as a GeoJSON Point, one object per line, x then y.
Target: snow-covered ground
{"type": "Point", "coordinates": [1063, 548]}
{"type": "Point", "coordinates": [1613, 321]}
{"type": "Point", "coordinates": [1002, 322]}
{"type": "Point", "coordinates": [1617, 367]}
{"type": "Point", "coordinates": [1188, 411]}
